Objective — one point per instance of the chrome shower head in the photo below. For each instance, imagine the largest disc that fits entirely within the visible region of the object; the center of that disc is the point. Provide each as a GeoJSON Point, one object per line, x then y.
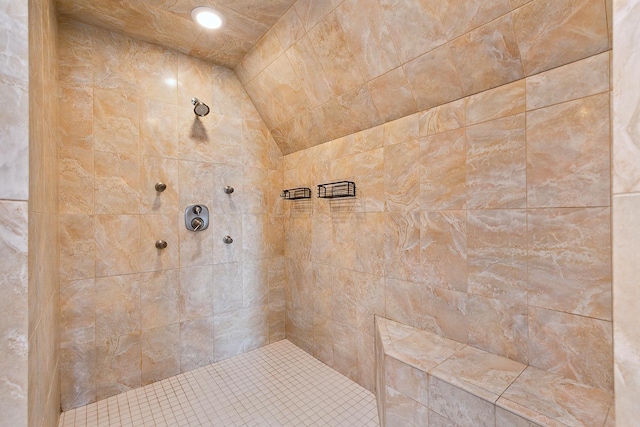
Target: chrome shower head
{"type": "Point", "coordinates": [200, 108]}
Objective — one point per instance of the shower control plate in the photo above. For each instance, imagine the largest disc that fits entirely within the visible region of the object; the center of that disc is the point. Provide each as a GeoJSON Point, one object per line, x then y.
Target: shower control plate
{"type": "Point", "coordinates": [196, 218]}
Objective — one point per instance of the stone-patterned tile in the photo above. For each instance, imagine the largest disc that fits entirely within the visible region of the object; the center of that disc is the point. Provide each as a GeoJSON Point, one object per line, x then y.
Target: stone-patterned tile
{"type": "Point", "coordinates": [117, 306]}
{"type": "Point", "coordinates": [77, 311]}
{"type": "Point", "coordinates": [356, 297]}
{"type": "Point", "coordinates": [410, 349]}
{"type": "Point", "coordinates": [255, 283]}
{"type": "Point", "coordinates": [345, 355]}
{"type": "Point", "coordinates": [344, 240]}
{"type": "Point", "coordinates": [349, 113]}
{"type": "Point", "coordinates": [160, 353]}
{"type": "Point", "coordinates": [152, 229]}
{"type": "Point", "coordinates": [157, 73]}
{"type": "Point", "coordinates": [403, 411]}
{"type": "Point", "coordinates": [195, 179]}
{"type": "Point", "coordinates": [401, 176]}
{"type": "Point", "coordinates": [196, 248]}
{"type": "Point", "coordinates": [401, 130]}
{"type": "Point", "coordinates": [570, 263]}
{"type": "Point", "coordinates": [366, 361]}
{"type": "Point", "coordinates": [463, 408]}
{"type": "Point", "coordinates": [572, 30]}
{"type": "Point", "coordinates": [115, 121]}
{"type": "Point", "coordinates": [497, 103]}
{"type": "Point", "coordinates": [159, 299]}
{"type": "Point", "coordinates": [414, 26]}
{"type": "Point", "coordinates": [322, 238]}
{"type": "Point", "coordinates": [403, 302]}
{"type": "Point", "coordinates": [488, 56]}
{"type": "Point", "coordinates": [308, 68]}
{"type": "Point", "coordinates": [115, 63]}
{"type": "Point", "coordinates": [573, 346]}
{"type": "Point", "coordinates": [499, 327]}
{"type": "Point", "coordinates": [75, 181]}
{"type": "Point", "coordinates": [323, 339]}
{"type": "Point", "coordinates": [76, 124]}
{"type": "Point", "coordinates": [288, 29]}
{"type": "Point", "coordinates": [554, 400]}
{"type": "Point", "coordinates": [154, 170]}
{"type": "Point", "coordinates": [117, 183]}
{"type": "Point", "coordinates": [196, 292]}
{"type": "Point", "coordinates": [368, 37]}
{"type": "Point", "coordinates": [195, 80]}
{"type": "Point", "coordinates": [392, 95]}
{"type": "Point", "coordinates": [256, 180]}
{"type": "Point", "coordinates": [497, 252]}
{"type": "Point", "coordinates": [322, 293]}
{"type": "Point", "coordinates": [480, 373]}
{"type": "Point", "coordinates": [196, 343]}
{"type": "Point", "coordinates": [369, 246]}
{"type": "Point", "coordinates": [443, 171]}
{"type": "Point", "coordinates": [437, 420]}
{"type": "Point", "coordinates": [445, 313]}
{"type": "Point", "coordinates": [444, 118]}
{"type": "Point", "coordinates": [158, 129]}
{"type": "Point", "coordinates": [75, 53]}
{"type": "Point", "coordinates": [117, 240]}
{"type": "Point", "coordinates": [239, 331]}
{"type": "Point", "coordinates": [443, 249]}
{"type": "Point", "coordinates": [568, 154]}
{"type": "Point", "coordinates": [118, 365]}
{"type": "Point", "coordinates": [77, 247]}
{"type": "Point", "coordinates": [460, 18]}
{"type": "Point", "coordinates": [576, 80]}
{"type": "Point", "coordinates": [311, 12]}
{"type": "Point", "coordinates": [496, 164]}
{"type": "Point", "coordinates": [254, 240]}
{"type": "Point", "coordinates": [227, 287]}
{"type": "Point", "coordinates": [407, 380]}
{"type": "Point", "coordinates": [507, 418]}
{"type": "Point", "coordinates": [433, 78]}
{"type": "Point", "coordinates": [402, 246]}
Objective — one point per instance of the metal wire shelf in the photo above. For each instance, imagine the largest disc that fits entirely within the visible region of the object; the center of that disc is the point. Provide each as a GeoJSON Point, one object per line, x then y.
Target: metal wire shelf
{"type": "Point", "coordinates": [296, 193]}
{"type": "Point", "coordinates": [338, 189]}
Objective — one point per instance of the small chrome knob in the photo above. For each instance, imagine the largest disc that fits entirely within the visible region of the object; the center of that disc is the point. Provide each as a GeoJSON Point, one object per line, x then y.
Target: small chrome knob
{"type": "Point", "coordinates": [197, 224]}
{"type": "Point", "coordinates": [161, 244]}
{"type": "Point", "coordinates": [197, 209]}
{"type": "Point", "coordinates": [228, 189]}
{"type": "Point", "coordinates": [160, 187]}
{"type": "Point", "coordinates": [227, 239]}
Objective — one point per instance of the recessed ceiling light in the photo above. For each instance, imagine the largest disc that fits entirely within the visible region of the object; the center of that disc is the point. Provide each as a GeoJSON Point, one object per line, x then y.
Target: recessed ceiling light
{"type": "Point", "coordinates": [207, 17]}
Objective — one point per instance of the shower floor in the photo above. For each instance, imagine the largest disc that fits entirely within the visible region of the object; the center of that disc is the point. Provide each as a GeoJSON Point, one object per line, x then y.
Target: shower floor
{"type": "Point", "coordinates": [276, 385]}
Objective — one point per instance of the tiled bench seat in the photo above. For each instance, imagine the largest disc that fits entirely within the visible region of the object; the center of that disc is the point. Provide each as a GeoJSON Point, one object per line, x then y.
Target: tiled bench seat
{"type": "Point", "coordinates": [423, 379]}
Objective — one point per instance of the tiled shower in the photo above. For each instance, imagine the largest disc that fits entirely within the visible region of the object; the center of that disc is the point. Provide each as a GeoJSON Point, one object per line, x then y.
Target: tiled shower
{"type": "Point", "coordinates": [493, 146]}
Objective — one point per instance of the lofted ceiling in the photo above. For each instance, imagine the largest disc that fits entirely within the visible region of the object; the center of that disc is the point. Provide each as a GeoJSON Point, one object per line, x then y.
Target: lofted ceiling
{"type": "Point", "coordinates": [169, 24]}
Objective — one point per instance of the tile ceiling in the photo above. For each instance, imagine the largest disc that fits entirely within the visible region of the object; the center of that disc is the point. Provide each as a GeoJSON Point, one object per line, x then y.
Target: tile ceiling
{"type": "Point", "coordinates": [168, 23]}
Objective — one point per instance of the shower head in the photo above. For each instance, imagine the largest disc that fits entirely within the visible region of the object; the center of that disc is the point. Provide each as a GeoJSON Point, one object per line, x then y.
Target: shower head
{"type": "Point", "coordinates": [200, 108]}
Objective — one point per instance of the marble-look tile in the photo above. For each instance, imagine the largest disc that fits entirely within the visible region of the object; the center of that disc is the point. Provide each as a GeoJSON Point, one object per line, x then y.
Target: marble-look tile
{"type": "Point", "coordinates": [401, 176]}
{"type": "Point", "coordinates": [76, 119]}
{"type": "Point", "coordinates": [488, 56]}
{"type": "Point", "coordinates": [433, 78]}
{"type": "Point", "coordinates": [196, 343]}
{"type": "Point", "coordinates": [626, 332]}
{"type": "Point", "coordinates": [239, 331]}
{"type": "Point", "coordinates": [443, 249]}
{"type": "Point", "coordinates": [152, 229]}
{"type": "Point", "coordinates": [196, 292]}
{"type": "Point", "coordinates": [345, 356]}
{"type": "Point", "coordinates": [195, 179]}
{"type": "Point", "coordinates": [403, 302]}
{"type": "Point", "coordinates": [437, 420]}
{"type": "Point", "coordinates": [299, 329]}
{"type": "Point", "coordinates": [392, 95]}
{"type": "Point", "coordinates": [443, 171]}
{"type": "Point", "coordinates": [321, 238]}
{"type": "Point", "coordinates": [496, 164]}
{"type": "Point", "coordinates": [117, 306]}
{"type": "Point", "coordinates": [573, 346]}
{"type": "Point", "coordinates": [227, 287]}
{"type": "Point", "coordinates": [369, 244]}
{"type": "Point", "coordinates": [238, 178]}
{"type": "Point", "coordinates": [152, 171]}
{"type": "Point", "coordinates": [255, 283]}
{"type": "Point", "coordinates": [159, 298]}
{"type": "Point", "coordinates": [497, 253]}
{"type": "Point", "coordinates": [411, 349]}
{"type": "Point", "coordinates": [402, 246]}
{"type": "Point", "coordinates": [322, 293]}
{"type": "Point", "coordinates": [255, 237]}
{"type": "Point", "coordinates": [572, 30]}
{"type": "Point", "coordinates": [480, 373]}
{"type": "Point", "coordinates": [75, 53]}
{"type": "Point", "coordinates": [115, 121]}
{"type": "Point", "coordinates": [497, 103]}
{"type": "Point", "coordinates": [576, 80]}
{"type": "Point", "coordinates": [77, 311]}
{"type": "Point", "coordinates": [507, 418]}
{"type": "Point", "coordinates": [568, 154]}
{"type": "Point", "coordinates": [553, 400]}
{"type": "Point", "coordinates": [323, 339]}
{"type": "Point", "coordinates": [256, 180]}
{"type": "Point", "coordinates": [414, 26]}
{"type": "Point", "coordinates": [499, 327]}
{"type": "Point", "coordinates": [311, 12]}
{"type": "Point", "coordinates": [75, 181]}
{"type": "Point", "coordinates": [445, 313]}
{"type": "Point", "coordinates": [443, 118]}
{"type": "Point", "coordinates": [288, 29]}
{"type": "Point", "coordinates": [157, 73]}
{"type": "Point", "coordinates": [196, 248]}
{"type": "Point", "coordinates": [117, 183]}
{"type": "Point", "coordinates": [366, 360]}
{"type": "Point", "coordinates": [463, 408]}
{"type": "Point", "coordinates": [117, 239]}
{"type": "Point", "coordinates": [404, 129]}
{"type": "Point", "coordinates": [344, 240]}
{"type": "Point", "coordinates": [118, 365]}
{"type": "Point", "coordinates": [401, 411]}
{"type": "Point", "coordinates": [158, 129]}
{"type": "Point", "coordinates": [407, 380]}
{"type": "Point", "coordinates": [14, 307]}
{"type": "Point", "coordinates": [369, 178]}
{"type": "Point", "coordinates": [77, 247]}
{"type": "Point", "coordinates": [460, 18]}
{"type": "Point", "coordinates": [368, 139]}
{"type": "Point", "coordinates": [349, 113]}
{"type": "Point", "coordinates": [309, 70]}
{"type": "Point", "coordinates": [356, 297]}
{"type": "Point", "coordinates": [195, 80]}
{"type": "Point", "coordinates": [115, 64]}
{"type": "Point", "coordinates": [160, 348]}
{"type": "Point", "coordinates": [570, 262]}
{"type": "Point", "coordinates": [14, 122]}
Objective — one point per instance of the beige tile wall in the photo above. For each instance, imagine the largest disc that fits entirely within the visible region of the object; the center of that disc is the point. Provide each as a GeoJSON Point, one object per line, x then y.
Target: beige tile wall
{"type": "Point", "coordinates": [130, 314]}
{"type": "Point", "coordinates": [485, 220]}
{"type": "Point", "coordinates": [626, 201]}
{"type": "Point", "coordinates": [328, 69]}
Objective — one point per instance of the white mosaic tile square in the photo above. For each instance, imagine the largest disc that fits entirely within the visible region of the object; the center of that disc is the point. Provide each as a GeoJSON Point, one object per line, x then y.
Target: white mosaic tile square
{"type": "Point", "coordinates": [276, 385]}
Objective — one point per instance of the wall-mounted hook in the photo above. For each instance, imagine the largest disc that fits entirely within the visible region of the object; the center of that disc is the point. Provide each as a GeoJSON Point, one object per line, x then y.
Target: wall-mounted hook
{"type": "Point", "coordinates": [160, 187]}
{"type": "Point", "coordinates": [228, 189]}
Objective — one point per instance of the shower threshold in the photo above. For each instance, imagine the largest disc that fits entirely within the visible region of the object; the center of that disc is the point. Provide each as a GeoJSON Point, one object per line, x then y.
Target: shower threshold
{"type": "Point", "coordinates": [275, 385]}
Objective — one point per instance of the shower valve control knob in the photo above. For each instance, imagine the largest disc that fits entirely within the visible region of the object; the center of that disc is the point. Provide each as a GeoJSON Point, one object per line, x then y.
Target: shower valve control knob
{"type": "Point", "coordinates": [197, 224]}
{"type": "Point", "coordinates": [196, 218]}
{"type": "Point", "coordinates": [197, 209]}
{"type": "Point", "coordinates": [160, 187]}
{"type": "Point", "coordinates": [227, 239]}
